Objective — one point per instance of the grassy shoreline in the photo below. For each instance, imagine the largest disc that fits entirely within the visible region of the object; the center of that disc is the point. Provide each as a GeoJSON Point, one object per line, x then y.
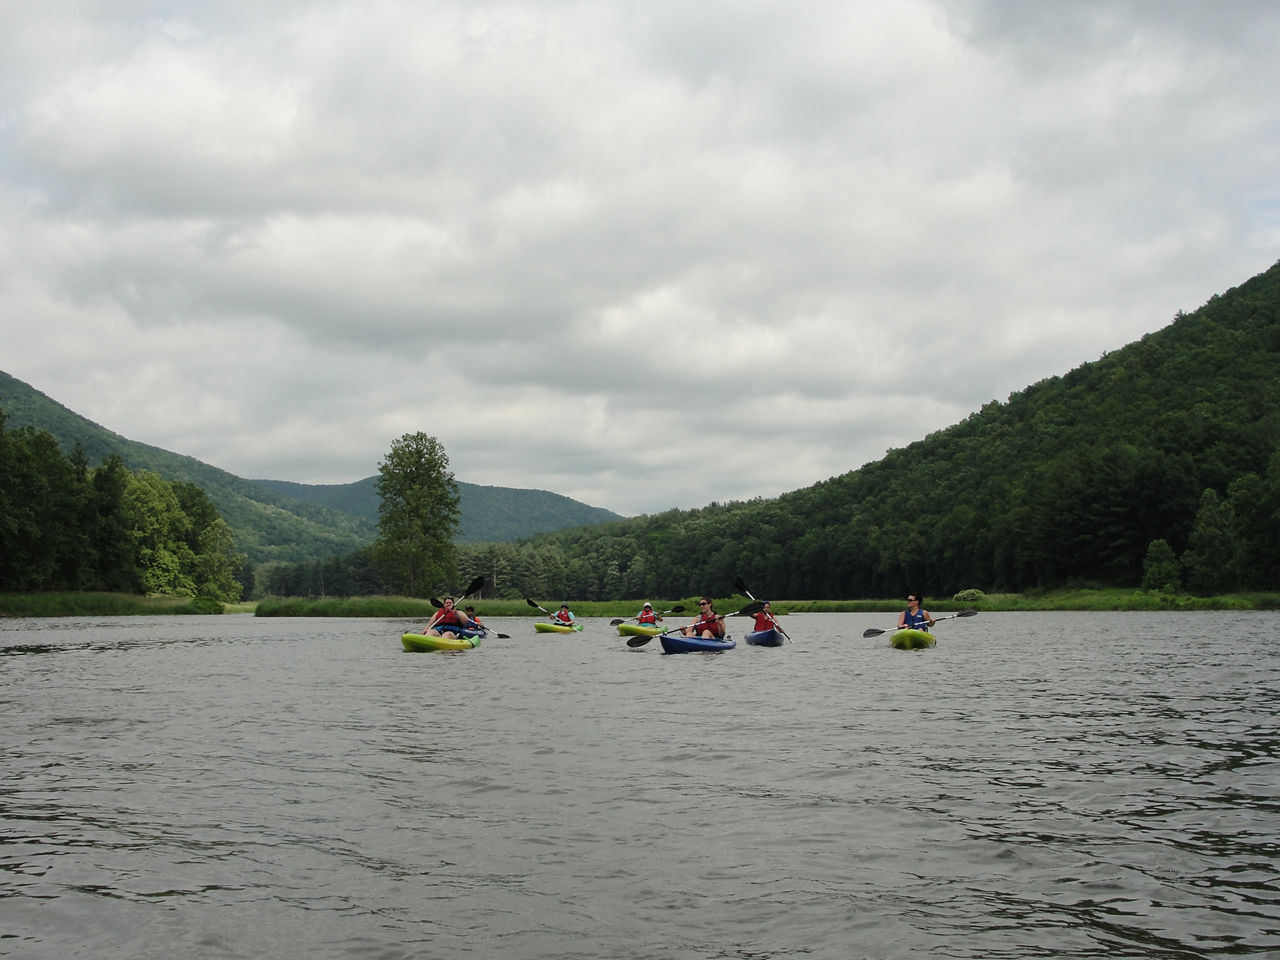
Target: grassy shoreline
{"type": "Point", "coordinates": [115, 604]}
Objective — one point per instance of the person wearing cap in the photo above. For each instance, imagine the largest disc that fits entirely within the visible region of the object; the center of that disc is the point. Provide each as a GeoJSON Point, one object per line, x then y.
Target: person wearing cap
{"type": "Point", "coordinates": [764, 619]}
{"type": "Point", "coordinates": [563, 615]}
{"type": "Point", "coordinates": [646, 615]}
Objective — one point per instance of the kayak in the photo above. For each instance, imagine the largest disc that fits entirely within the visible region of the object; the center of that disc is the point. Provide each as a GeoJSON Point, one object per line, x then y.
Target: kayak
{"type": "Point", "coordinates": [765, 638]}
{"type": "Point", "coordinates": [541, 627]}
{"type": "Point", "coordinates": [678, 643]}
{"type": "Point", "coordinates": [638, 630]}
{"type": "Point", "coordinates": [912, 639]}
{"type": "Point", "coordinates": [425, 643]}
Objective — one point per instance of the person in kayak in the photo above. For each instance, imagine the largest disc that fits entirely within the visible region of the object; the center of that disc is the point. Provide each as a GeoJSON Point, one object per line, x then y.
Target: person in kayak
{"type": "Point", "coordinates": [913, 618]}
{"type": "Point", "coordinates": [471, 615]}
{"type": "Point", "coordinates": [563, 615]}
{"type": "Point", "coordinates": [709, 625]}
{"type": "Point", "coordinates": [764, 619]}
{"type": "Point", "coordinates": [447, 621]}
{"type": "Point", "coordinates": [646, 615]}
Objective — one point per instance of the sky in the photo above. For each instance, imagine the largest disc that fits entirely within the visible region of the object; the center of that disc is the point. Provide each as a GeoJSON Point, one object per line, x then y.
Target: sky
{"type": "Point", "coordinates": [645, 255]}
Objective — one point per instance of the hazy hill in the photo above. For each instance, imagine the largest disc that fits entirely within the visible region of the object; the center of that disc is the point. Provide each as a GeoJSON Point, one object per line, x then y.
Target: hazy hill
{"type": "Point", "coordinates": [281, 521]}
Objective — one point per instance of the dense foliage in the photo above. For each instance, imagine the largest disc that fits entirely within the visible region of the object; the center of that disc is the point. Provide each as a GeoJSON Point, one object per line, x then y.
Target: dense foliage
{"type": "Point", "coordinates": [417, 516]}
{"type": "Point", "coordinates": [65, 526]}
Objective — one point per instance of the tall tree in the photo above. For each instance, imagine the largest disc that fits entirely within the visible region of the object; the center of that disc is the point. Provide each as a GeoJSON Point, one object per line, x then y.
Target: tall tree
{"type": "Point", "coordinates": [417, 515]}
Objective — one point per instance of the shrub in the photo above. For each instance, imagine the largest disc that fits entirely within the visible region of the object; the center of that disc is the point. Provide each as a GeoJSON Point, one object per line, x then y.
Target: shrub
{"type": "Point", "coordinates": [971, 595]}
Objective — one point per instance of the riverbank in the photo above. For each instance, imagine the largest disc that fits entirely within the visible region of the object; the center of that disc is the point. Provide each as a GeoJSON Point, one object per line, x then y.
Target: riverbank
{"type": "Point", "coordinates": [117, 604]}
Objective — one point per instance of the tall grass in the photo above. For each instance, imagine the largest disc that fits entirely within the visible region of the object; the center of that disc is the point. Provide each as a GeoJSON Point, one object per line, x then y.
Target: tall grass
{"type": "Point", "coordinates": [99, 605]}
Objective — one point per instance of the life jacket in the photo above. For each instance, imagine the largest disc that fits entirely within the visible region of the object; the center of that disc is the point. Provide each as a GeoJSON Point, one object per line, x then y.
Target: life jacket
{"type": "Point", "coordinates": [915, 621]}
{"type": "Point", "coordinates": [649, 617]}
{"type": "Point", "coordinates": [451, 618]}
{"type": "Point", "coordinates": [712, 623]}
{"type": "Point", "coordinates": [764, 621]}
{"type": "Point", "coordinates": [563, 616]}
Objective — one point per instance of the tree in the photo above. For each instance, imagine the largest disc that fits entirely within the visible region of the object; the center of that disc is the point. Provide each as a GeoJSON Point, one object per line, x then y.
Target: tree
{"type": "Point", "coordinates": [1212, 558]}
{"type": "Point", "coordinates": [1160, 569]}
{"type": "Point", "coordinates": [417, 516]}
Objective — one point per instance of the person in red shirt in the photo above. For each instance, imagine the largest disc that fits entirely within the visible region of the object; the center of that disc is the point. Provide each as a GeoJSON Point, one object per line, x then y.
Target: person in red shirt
{"type": "Point", "coordinates": [447, 621]}
{"type": "Point", "coordinates": [709, 625]}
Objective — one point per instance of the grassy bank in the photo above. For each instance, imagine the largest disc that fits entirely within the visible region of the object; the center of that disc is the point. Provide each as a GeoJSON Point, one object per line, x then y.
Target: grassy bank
{"type": "Point", "coordinates": [117, 604]}
{"type": "Point", "coordinates": [100, 605]}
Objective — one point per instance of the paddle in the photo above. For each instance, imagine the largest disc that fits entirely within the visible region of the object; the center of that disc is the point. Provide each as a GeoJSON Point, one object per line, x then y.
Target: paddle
{"type": "Point", "coordinates": [742, 588]}
{"type": "Point", "coordinates": [675, 609]}
{"type": "Point", "coordinates": [750, 610]}
{"type": "Point", "coordinates": [873, 632]}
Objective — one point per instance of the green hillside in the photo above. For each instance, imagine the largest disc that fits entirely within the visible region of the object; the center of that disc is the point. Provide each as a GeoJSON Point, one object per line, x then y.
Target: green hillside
{"type": "Point", "coordinates": [291, 522]}
{"type": "Point", "coordinates": [1174, 437]}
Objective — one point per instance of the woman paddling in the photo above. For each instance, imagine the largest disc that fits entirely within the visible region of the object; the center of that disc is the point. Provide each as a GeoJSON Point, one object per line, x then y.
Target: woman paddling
{"type": "Point", "coordinates": [447, 621]}
{"type": "Point", "coordinates": [913, 618]}
{"type": "Point", "coordinates": [709, 625]}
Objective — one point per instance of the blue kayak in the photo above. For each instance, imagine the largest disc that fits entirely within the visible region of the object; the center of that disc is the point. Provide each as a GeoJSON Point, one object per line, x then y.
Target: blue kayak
{"type": "Point", "coordinates": [677, 643]}
{"type": "Point", "coordinates": [765, 638]}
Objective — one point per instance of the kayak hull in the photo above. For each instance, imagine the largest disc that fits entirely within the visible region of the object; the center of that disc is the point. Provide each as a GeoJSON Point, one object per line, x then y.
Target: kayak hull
{"type": "Point", "coordinates": [678, 643]}
{"type": "Point", "coordinates": [638, 630]}
{"type": "Point", "coordinates": [425, 643]}
{"type": "Point", "coordinates": [912, 639]}
{"type": "Point", "coordinates": [764, 638]}
{"type": "Point", "coordinates": [557, 627]}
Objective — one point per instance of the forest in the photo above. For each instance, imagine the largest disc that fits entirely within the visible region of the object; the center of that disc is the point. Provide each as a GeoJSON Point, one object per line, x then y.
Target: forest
{"type": "Point", "coordinates": [1155, 466]}
{"type": "Point", "coordinates": [67, 526]}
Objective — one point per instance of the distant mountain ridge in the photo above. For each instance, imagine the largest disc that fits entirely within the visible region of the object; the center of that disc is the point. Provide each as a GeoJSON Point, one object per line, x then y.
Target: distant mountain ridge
{"type": "Point", "coordinates": [277, 520]}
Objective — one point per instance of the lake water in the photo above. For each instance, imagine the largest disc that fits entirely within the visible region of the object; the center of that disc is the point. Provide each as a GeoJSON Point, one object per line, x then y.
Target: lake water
{"type": "Point", "coordinates": [1037, 785]}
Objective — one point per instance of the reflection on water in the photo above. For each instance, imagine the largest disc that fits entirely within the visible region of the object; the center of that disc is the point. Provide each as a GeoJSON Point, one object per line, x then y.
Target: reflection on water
{"type": "Point", "coordinates": [1065, 785]}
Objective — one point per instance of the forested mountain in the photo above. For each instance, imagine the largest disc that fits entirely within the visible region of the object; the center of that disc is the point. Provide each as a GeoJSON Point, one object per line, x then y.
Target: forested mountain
{"type": "Point", "coordinates": [292, 522]}
{"type": "Point", "coordinates": [1173, 438]}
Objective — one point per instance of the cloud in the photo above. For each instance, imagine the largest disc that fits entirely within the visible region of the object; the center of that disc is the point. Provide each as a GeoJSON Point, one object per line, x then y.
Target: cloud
{"type": "Point", "coordinates": [643, 255]}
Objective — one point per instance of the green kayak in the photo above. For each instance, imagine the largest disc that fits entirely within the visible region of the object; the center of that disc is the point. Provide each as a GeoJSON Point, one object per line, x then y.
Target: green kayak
{"type": "Point", "coordinates": [912, 639]}
{"type": "Point", "coordinates": [557, 627]}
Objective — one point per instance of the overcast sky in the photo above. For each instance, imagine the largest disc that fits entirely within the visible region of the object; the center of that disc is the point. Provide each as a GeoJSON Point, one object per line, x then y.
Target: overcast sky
{"type": "Point", "coordinates": [644, 254]}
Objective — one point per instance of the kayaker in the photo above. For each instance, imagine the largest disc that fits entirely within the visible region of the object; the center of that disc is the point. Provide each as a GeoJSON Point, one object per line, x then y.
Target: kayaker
{"type": "Point", "coordinates": [446, 622]}
{"type": "Point", "coordinates": [471, 615]}
{"type": "Point", "coordinates": [764, 619]}
{"type": "Point", "coordinates": [709, 625]}
{"type": "Point", "coordinates": [913, 618]}
{"type": "Point", "coordinates": [563, 615]}
{"type": "Point", "coordinates": [646, 615]}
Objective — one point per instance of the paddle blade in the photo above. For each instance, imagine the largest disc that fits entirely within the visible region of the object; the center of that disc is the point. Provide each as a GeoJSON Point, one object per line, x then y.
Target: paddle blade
{"type": "Point", "coordinates": [676, 609]}
{"type": "Point", "coordinates": [532, 604]}
{"type": "Point", "coordinates": [740, 586]}
{"type": "Point", "coordinates": [750, 610]}
{"type": "Point", "coordinates": [614, 623]}
{"type": "Point", "coordinates": [967, 613]}
{"type": "Point", "coordinates": [473, 586]}
{"type": "Point", "coordinates": [872, 632]}
{"type": "Point", "coordinates": [436, 603]}
{"type": "Point", "coordinates": [637, 641]}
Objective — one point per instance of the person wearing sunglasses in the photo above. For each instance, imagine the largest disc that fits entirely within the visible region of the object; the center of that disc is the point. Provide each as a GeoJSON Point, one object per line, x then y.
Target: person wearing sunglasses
{"type": "Point", "coordinates": [913, 618]}
{"type": "Point", "coordinates": [709, 625]}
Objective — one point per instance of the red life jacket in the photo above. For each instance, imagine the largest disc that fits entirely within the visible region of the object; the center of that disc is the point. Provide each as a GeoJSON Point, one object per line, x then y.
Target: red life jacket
{"type": "Point", "coordinates": [711, 623]}
{"type": "Point", "coordinates": [563, 616]}
{"type": "Point", "coordinates": [649, 617]}
{"type": "Point", "coordinates": [451, 617]}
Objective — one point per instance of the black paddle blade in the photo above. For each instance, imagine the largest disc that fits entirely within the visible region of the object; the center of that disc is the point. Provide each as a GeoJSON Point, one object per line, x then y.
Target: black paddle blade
{"type": "Point", "coordinates": [750, 610]}
{"type": "Point", "coordinates": [872, 632]}
{"type": "Point", "coordinates": [740, 586]}
{"type": "Point", "coordinates": [637, 641]}
{"type": "Point", "coordinates": [531, 603]}
{"type": "Point", "coordinates": [614, 623]}
{"type": "Point", "coordinates": [676, 609]}
{"type": "Point", "coordinates": [473, 586]}
{"type": "Point", "coordinates": [967, 613]}
{"type": "Point", "coordinates": [436, 603]}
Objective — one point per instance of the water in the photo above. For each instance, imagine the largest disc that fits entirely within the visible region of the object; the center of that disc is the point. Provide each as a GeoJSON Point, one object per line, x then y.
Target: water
{"type": "Point", "coordinates": [1038, 785]}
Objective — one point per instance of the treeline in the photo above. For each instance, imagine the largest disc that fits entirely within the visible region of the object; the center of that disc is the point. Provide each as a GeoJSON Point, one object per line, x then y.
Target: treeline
{"type": "Point", "coordinates": [67, 526]}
